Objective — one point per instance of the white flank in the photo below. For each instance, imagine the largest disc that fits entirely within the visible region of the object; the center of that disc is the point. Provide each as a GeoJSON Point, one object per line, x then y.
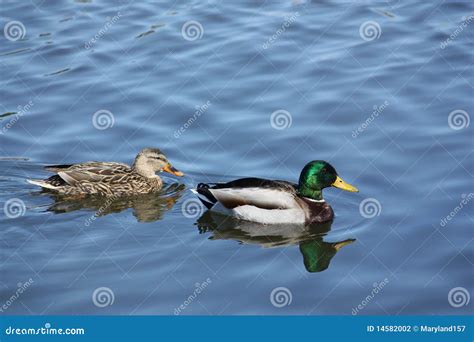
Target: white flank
{"type": "Point", "coordinates": [266, 216]}
{"type": "Point", "coordinates": [256, 196]}
{"type": "Point", "coordinates": [289, 213]}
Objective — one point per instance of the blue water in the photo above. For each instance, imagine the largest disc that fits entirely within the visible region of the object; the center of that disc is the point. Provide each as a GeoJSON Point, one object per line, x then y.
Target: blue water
{"type": "Point", "coordinates": [200, 80]}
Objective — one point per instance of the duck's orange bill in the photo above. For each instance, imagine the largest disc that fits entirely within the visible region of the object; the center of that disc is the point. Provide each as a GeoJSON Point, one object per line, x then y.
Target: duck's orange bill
{"type": "Point", "coordinates": [172, 170]}
{"type": "Point", "coordinates": [340, 184]}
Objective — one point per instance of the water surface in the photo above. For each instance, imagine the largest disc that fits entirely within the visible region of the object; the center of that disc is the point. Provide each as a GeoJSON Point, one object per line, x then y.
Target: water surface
{"type": "Point", "coordinates": [368, 86]}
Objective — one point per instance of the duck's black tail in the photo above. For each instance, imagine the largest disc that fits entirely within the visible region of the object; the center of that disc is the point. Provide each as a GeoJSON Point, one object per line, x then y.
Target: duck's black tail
{"type": "Point", "coordinates": [204, 195]}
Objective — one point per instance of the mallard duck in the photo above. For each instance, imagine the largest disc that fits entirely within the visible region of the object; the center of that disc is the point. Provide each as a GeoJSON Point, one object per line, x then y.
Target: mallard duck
{"type": "Point", "coordinates": [275, 201]}
{"type": "Point", "coordinates": [109, 178]}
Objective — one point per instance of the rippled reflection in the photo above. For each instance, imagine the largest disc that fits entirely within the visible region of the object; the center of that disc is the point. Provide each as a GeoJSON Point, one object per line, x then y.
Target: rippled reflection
{"type": "Point", "coordinates": [317, 253]}
{"type": "Point", "coordinates": [146, 208]}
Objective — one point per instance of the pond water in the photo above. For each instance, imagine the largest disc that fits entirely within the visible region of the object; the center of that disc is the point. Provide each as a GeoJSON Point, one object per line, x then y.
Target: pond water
{"type": "Point", "coordinates": [380, 89]}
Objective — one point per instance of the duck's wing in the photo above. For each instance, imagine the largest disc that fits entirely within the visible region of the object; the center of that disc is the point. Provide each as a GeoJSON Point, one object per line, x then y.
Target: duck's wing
{"type": "Point", "coordinates": [257, 192]}
{"type": "Point", "coordinates": [105, 172]}
{"type": "Point", "coordinates": [87, 165]}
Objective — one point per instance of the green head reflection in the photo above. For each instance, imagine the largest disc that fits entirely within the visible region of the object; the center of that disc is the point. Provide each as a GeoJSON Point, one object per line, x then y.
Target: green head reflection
{"type": "Point", "coordinates": [317, 253]}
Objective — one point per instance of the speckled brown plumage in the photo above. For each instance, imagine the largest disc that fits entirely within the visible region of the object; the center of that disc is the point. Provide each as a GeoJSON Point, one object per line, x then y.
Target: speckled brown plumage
{"type": "Point", "coordinates": [109, 178]}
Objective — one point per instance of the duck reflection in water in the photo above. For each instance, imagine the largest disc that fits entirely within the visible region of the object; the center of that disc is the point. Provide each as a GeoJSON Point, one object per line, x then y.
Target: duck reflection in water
{"type": "Point", "coordinates": [317, 253]}
{"type": "Point", "coordinates": [146, 207]}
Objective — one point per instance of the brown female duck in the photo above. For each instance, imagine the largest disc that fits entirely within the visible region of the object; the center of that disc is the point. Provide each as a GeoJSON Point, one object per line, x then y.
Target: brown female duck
{"type": "Point", "coordinates": [109, 178]}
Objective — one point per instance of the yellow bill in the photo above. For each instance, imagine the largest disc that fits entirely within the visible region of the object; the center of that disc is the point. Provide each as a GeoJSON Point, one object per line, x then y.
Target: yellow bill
{"type": "Point", "coordinates": [340, 184]}
{"type": "Point", "coordinates": [172, 170]}
{"type": "Point", "coordinates": [341, 244]}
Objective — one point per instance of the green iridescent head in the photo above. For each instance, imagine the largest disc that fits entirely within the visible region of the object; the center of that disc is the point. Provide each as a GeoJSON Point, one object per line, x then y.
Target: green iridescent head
{"type": "Point", "coordinates": [316, 176]}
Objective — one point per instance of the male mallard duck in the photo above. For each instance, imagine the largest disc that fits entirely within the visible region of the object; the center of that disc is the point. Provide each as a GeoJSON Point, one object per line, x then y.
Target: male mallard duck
{"type": "Point", "coordinates": [275, 201]}
{"type": "Point", "coordinates": [108, 178]}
